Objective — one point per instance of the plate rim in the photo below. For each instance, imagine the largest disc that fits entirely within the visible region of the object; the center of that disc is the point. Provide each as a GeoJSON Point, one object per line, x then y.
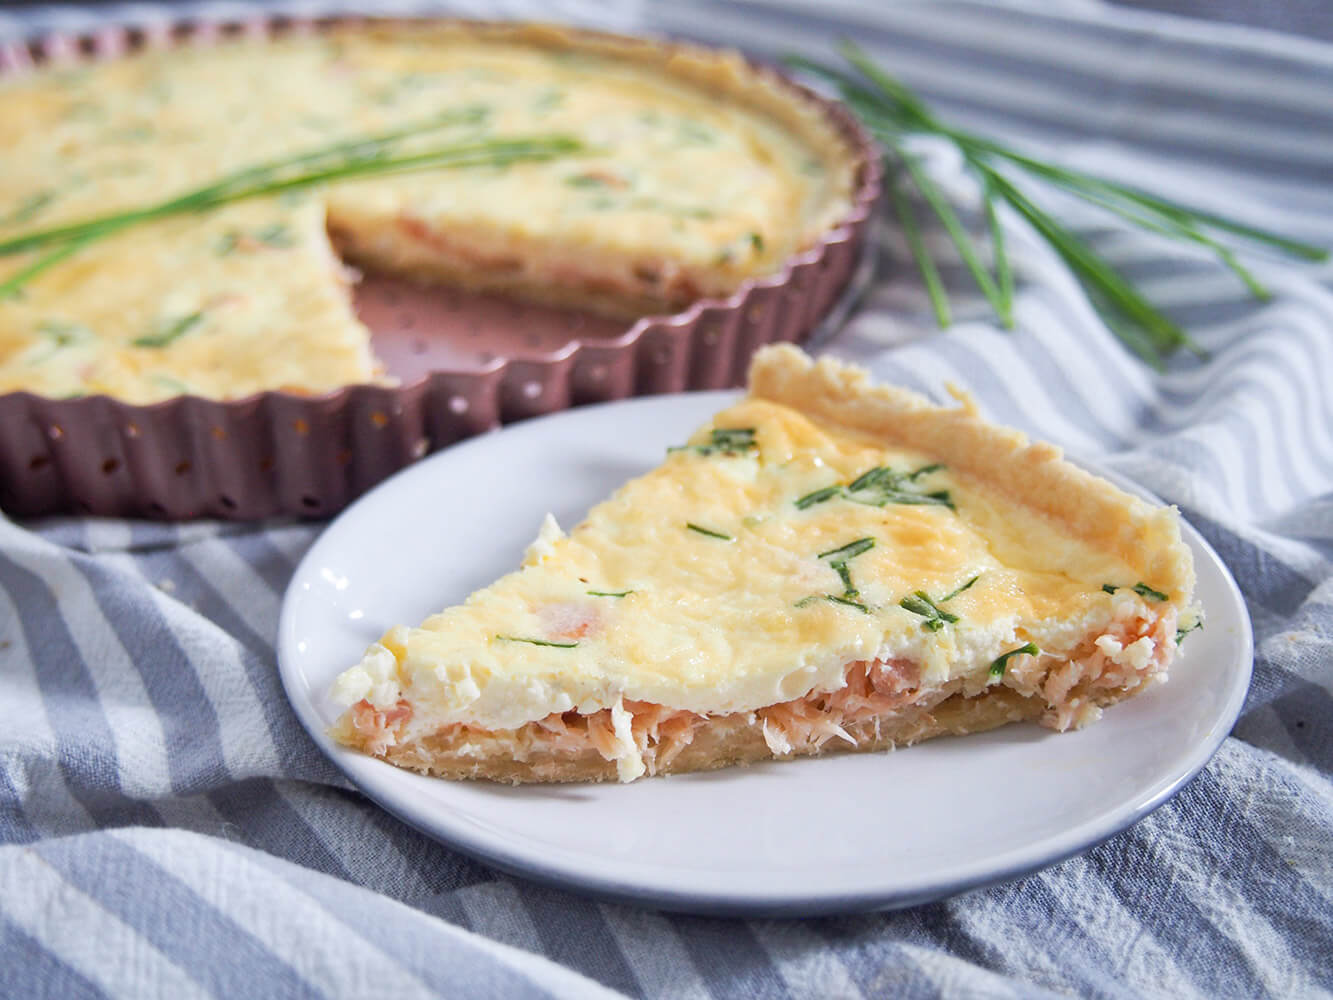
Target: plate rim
{"type": "Point", "coordinates": [361, 771]}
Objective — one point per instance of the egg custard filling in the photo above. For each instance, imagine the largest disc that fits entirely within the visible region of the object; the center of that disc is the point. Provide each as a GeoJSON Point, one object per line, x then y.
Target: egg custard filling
{"type": "Point", "coordinates": [684, 173]}
{"type": "Point", "coordinates": [827, 566]}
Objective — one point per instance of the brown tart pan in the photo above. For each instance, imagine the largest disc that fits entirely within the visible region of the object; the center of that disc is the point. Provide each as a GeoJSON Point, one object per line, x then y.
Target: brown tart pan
{"type": "Point", "coordinates": [466, 363]}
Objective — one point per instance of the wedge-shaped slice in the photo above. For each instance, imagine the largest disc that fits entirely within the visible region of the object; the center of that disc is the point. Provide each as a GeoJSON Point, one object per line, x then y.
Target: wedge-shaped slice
{"type": "Point", "coordinates": [827, 566]}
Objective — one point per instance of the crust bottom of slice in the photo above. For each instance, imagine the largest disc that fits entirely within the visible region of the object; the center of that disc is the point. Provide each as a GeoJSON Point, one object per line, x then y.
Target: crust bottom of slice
{"type": "Point", "coordinates": [723, 742]}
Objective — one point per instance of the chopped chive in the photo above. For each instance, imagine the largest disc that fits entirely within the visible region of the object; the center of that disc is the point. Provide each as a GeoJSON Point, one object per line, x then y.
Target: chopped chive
{"type": "Point", "coordinates": [954, 593]}
{"type": "Point", "coordinates": [726, 440]}
{"type": "Point", "coordinates": [548, 100]}
{"type": "Point", "coordinates": [171, 384]}
{"type": "Point", "coordinates": [920, 603]}
{"type": "Point", "coordinates": [936, 618]}
{"type": "Point", "coordinates": [845, 575]}
{"type": "Point", "coordinates": [60, 335]}
{"type": "Point", "coordinates": [834, 599]}
{"type": "Point", "coordinates": [757, 242]}
{"type": "Point", "coordinates": [925, 470]}
{"type": "Point", "coordinates": [818, 496]}
{"type": "Point", "coordinates": [28, 207]}
{"type": "Point", "coordinates": [537, 642]}
{"type": "Point", "coordinates": [850, 550]}
{"type": "Point", "coordinates": [917, 606]}
{"type": "Point", "coordinates": [869, 478]}
{"type": "Point", "coordinates": [1182, 632]}
{"type": "Point", "coordinates": [169, 331]}
{"type": "Point", "coordinates": [848, 603]}
{"type": "Point", "coordinates": [880, 485]}
{"type": "Point", "coordinates": [940, 497]}
{"type": "Point", "coordinates": [1143, 590]}
{"type": "Point", "coordinates": [998, 665]}
{"type": "Point", "coordinates": [1109, 588]}
{"type": "Point", "coordinates": [610, 593]}
{"type": "Point", "coordinates": [733, 438]}
{"type": "Point", "coordinates": [275, 234]}
{"type": "Point", "coordinates": [697, 133]}
{"type": "Point", "coordinates": [708, 531]}
{"type": "Point", "coordinates": [939, 612]}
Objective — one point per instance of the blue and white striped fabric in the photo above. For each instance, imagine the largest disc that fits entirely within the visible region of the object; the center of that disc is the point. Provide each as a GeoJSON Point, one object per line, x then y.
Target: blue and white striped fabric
{"type": "Point", "coordinates": [169, 830]}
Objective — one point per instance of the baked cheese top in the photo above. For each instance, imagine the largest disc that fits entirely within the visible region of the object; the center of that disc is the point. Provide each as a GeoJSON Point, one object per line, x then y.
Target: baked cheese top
{"type": "Point", "coordinates": [750, 568]}
{"type": "Point", "coordinates": [692, 165]}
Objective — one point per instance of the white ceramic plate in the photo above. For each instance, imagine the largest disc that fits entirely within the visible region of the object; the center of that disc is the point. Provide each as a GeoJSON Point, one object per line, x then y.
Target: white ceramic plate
{"type": "Point", "coordinates": [839, 834]}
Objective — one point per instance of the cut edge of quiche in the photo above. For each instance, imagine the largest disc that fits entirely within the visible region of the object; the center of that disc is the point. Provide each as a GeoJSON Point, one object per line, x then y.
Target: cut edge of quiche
{"type": "Point", "coordinates": [1049, 594]}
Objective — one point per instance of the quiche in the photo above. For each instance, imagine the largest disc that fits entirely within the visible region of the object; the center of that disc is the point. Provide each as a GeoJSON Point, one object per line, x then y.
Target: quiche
{"type": "Point", "coordinates": [828, 565]}
{"type": "Point", "coordinates": [693, 172]}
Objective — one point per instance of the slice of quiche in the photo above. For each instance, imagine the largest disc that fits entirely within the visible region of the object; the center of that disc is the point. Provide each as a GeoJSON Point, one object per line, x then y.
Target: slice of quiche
{"type": "Point", "coordinates": [827, 566]}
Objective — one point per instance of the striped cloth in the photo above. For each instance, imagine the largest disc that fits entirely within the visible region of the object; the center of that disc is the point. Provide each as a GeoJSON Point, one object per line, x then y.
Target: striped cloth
{"type": "Point", "coordinates": [169, 830]}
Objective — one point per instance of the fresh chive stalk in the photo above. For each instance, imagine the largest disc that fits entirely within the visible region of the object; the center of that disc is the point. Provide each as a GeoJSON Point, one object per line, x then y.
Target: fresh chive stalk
{"type": "Point", "coordinates": [346, 151]}
{"type": "Point", "coordinates": [893, 114]}
{"type": "Point", "coordinates": [340, 161]}
{"type": "Point", "coordinates": [610, 593]}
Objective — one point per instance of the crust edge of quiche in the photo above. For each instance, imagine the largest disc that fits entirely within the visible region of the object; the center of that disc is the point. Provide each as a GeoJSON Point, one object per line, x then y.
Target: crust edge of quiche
{"type": "Point", "coordinates": [1031, 474]}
